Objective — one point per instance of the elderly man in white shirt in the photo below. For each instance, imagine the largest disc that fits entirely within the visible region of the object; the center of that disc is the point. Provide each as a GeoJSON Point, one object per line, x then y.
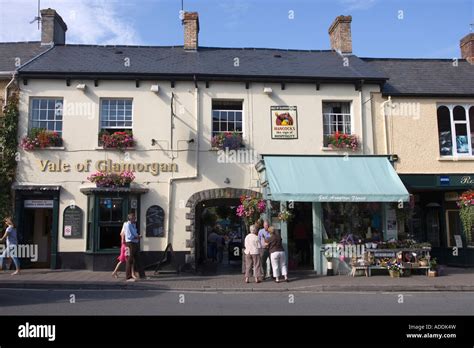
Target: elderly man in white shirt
{"type": "Point", "coordinates": [252, 255]}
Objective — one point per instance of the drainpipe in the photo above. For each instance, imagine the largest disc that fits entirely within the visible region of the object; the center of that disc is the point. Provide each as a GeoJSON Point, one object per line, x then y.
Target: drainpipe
{"type": "Point", "coordinates": [385, 129]}
{"type": "Point", "coordinates": [196, 172]}
{"type": "Point", "coordinates": [363, 130]}
{"type": "Point", "coordinates": [6, 88]}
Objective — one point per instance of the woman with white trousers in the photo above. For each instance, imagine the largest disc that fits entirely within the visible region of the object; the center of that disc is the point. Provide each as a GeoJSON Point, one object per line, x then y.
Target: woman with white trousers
{"type": "Point", "coordinates": [277, 255]}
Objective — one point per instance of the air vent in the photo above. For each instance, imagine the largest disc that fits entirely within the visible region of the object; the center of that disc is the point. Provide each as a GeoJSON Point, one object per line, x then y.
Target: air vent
{"type": "Point", "coordinates": [277, 55]}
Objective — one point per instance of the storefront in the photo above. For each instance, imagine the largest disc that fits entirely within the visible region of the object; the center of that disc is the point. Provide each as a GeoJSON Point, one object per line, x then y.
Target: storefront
{"type": "Point", "coordinates": [352, 197]}
{"type": "Point", "coordinates": [435, 215]}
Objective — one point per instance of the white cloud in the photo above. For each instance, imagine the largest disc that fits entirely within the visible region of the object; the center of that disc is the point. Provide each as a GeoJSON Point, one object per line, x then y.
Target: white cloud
{"type": "Point", "coordinates": [88, 21]}
{"type": "Point", "coordinates": [351, 5]}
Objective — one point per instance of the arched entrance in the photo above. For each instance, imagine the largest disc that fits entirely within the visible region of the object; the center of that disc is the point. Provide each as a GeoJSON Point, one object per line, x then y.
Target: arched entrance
{"type": "Point", "coordinates": [199, 204]}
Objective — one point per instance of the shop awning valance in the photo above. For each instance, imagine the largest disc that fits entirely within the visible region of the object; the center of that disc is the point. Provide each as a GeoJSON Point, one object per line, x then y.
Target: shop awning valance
{"type": "Point", "coordinates": [333, 179]}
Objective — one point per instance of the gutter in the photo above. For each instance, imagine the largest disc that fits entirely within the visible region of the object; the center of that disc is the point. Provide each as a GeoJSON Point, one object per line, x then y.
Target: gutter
{"type": "Point", "coordinates": [196, 166]}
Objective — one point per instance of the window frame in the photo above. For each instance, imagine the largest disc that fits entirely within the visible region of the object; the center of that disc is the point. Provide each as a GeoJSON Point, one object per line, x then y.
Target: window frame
{"type": "Point", "coordinates": [242, 110]}
{"type": "Point", "coordinates": [466, 122]}
{"type": "Point", "coordinates": [351, 115]}
{"type": "Point", "coordinates": [30, 113]}
{"type": "Point", "coordinates": [116, 128]}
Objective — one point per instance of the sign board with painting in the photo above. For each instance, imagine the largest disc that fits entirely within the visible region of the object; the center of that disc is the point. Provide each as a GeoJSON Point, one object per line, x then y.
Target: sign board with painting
{"type": "Point", "coordinates": [72, 222]}
{"type": "Point", "coordinates": [155, 221]}
{"type": "Point", "coordinates": [458, 240]}
{"type": "Point", "coordinates": [284, 122]}
{"type": "Point", "coordinates": [391, 223]}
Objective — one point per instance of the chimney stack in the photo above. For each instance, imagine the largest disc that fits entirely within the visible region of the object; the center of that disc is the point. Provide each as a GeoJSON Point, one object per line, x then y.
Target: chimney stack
{"type": "Point", "coordinates": [53, 28]}
{"type": "Point", "coordinates": [467, 47]}
{"type": "Point", "coordinates": [191, 30]}
{"type": "Point", "coordinates": [340, 34]}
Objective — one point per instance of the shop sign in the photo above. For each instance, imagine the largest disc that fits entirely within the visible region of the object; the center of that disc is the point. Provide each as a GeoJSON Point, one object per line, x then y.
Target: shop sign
{"type": "Point", "coordinates": [38, 203]}
{"type": "Point", "coordinates": [451, 196]}
{"type": "Point", "coordinates": [107, 166]}
{"type": "Point", "coordinates": [444, 180]}
{"type": "Point", "coordinates": [72, 222]}
{"type": "Point", "coordinates": [467, 180]}
{"type": "Point", "coordinates": [284, 122]}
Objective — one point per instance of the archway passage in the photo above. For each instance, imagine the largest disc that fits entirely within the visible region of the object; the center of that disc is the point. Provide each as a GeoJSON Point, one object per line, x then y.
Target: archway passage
{"type": "Point", "coordinates": [214, 210]}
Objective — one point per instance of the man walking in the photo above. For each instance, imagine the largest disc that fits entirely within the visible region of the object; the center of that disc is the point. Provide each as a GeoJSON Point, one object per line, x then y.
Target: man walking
{"type": "Point", "coordinates": [132, 240]}
{"type": "Point", "coordinates": [263, 234]}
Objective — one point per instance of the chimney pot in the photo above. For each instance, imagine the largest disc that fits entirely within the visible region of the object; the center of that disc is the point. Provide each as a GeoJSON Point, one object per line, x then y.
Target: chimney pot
{"type": "Point", "coordinates": [53, 28]}
{"type": "Point", "coordinates": [467, 47]}
{"type": "Point", "coordinates": [340, 34]}
{"type": "Point", "coordinates": [191, 31]}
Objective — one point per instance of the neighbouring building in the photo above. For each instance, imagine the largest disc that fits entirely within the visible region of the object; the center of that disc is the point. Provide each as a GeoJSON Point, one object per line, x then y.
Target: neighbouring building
{"type": "Point", "coordinates": [425, 115]}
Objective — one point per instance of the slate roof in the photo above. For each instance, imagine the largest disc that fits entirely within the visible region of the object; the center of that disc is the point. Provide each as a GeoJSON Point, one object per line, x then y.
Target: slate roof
{"type": "Point", "coordinates": [429, 77]}
{"type": "Point", "coordinates": [9, 51]}
{"type": "Point", "coordinates": [174, 60]}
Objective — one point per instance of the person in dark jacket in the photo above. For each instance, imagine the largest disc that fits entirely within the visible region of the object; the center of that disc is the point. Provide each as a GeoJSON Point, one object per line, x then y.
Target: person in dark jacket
{"type": "Point", "coordinates": [277, 255]}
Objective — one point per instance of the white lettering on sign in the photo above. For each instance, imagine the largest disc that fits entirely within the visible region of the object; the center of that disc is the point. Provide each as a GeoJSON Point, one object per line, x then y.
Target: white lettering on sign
{"type": "Point", "coordinates": [38, 203]}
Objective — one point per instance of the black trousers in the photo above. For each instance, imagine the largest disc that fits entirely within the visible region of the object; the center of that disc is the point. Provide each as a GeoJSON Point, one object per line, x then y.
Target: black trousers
{"type": "Point", "coordinates": [133, 260]}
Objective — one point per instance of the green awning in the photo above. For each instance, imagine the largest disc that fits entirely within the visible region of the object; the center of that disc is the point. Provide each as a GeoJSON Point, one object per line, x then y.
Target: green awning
{"type": "Point", "coordinates": [333, 179]}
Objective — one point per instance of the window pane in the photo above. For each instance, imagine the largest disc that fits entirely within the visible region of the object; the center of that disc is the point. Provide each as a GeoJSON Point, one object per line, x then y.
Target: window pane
{"type": "Point", "coordinates": [238, 115]}
{"type": "Point", "coordinates": [231, 127]}
{"type": "Point", "coordinates": [117, 209]}
{"type": "Point", "coordinates": [35, 115]}
{"type": "Point", "coordinates": [231, 116]}
{"type": "Point", "coordinates": [224, 116]}
{"type": "Point", "coordinates": [444, 131]}
{"type": "Point", "coordinates": [238, 126]}
{"type": "Point", "coordinates": [471, 121]}
{"type": "Point", "coordinates": [462, 145]}
{"type": "Point", "coordinates": [51, 103]}
{"type": "Point", "coordinates": [35, 104]}
{"type": "Point", "coordinates": [215, 126]}
{"type": "Point", "coordinates": [459, 114]}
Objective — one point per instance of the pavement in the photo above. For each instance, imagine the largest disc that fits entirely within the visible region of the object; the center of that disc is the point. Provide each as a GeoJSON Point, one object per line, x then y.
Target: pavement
{"type": "Point", "coordinates": [452, 279]}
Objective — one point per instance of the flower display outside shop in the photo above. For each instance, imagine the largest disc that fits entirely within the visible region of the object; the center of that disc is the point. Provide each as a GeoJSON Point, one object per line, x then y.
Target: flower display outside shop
{"type": "Point", "coordinates": [250, 209]}
{"type": "Point", "coordinates": [395, 268]}
{"type": "Point", "coordinates": [343, 141]}
{"type": "Point", "coordinates": [466, 213]}
{"type": "Point", "coordinates": [227, 140]}
{"type": "Point", "coordinates": [117, 140]}
{"type": "Point", "coordinates": [106, 179]}
{"type": "Point", "coordinates": [39, 138]}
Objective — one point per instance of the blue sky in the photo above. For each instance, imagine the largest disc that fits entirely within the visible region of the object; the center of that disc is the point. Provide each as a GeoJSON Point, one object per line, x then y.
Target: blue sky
{"type": "Point", "coordinates": [429, 28]}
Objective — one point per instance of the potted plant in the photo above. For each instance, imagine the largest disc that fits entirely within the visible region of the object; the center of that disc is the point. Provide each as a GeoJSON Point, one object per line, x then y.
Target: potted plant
{"type": "Point", "coordinates": [466, 213]}
{"type": "Point", "coordinates": [395, 269]}
{"type": "Point", "coordinates": [433, 271]}
{"type": "Point", "coordinates": [40, 138]}
{"type": "Point", "coordinates": [119, 140]}
{"type": "Point", "coordinates": [227, 140]}
{"type": "Point", "coordinates": [285, 215]}
{"type": "Point", "coordinates": [343, 141]}
{"type": "Point", "coordinates": [106, 179]}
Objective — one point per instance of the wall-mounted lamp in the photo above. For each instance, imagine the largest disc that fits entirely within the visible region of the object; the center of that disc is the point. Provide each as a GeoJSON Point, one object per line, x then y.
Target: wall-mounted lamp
{"type": "Point", "coordinates": [155, 89]}
{"type": "Point", "coordinates": [227, 181]}
{"type": "Point", "coordinates": [190, 141]}
{"type": "Point", "coordinates": [153, 142]}
{"type": "Point", "coordinates": [267, 90]}
{"type": "Point", "coordinates": [81, 87]}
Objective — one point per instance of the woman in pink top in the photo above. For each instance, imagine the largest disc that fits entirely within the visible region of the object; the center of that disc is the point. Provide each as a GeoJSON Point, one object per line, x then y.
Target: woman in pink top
{"type": "Point", "coordinates": [122, 258]}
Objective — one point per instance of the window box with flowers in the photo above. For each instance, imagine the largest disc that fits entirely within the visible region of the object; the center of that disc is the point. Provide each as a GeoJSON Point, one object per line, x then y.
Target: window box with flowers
{"type": "Point", "coordinates": [119, 140]}
{"type": "Point", "coordinates": [227, 140]}
{"type": "Point", "coordinates": [342, 141]}
{"type": "Point", "coordinates": [40, 138]}
{"type": "Point", "coordinates": [112, 180]}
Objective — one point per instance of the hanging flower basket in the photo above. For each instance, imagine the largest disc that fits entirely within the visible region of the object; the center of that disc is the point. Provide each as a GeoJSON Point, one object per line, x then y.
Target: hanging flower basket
{"type": "Point", "coordinates": [285, 215]}
{"type": "Point", "coordinates": [40, 138]}
{"type": "Point", "coordinates": [466, 213]}
{"type": "Point", "coordinates": [105, 179]}
{"type": "Point", "coordinates": [116, 140]}
{"type": "Point", "coordinates": [250, 209]}
{"type": "Point", "coordinates": [227, 140]}
{"type": "Point", "coordinates": [343, 141]}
